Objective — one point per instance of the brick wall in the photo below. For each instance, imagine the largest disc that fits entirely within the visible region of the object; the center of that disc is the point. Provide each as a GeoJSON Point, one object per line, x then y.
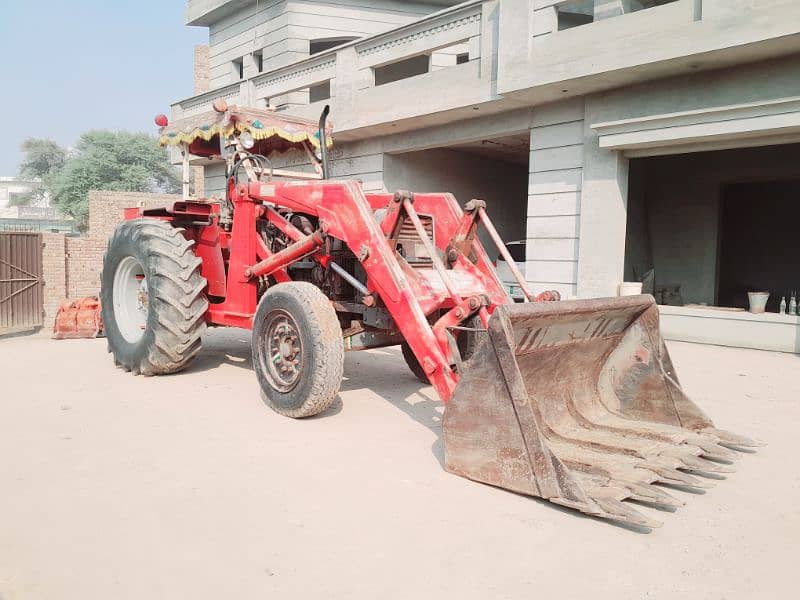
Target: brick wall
{"type": "Point", "coordinates": [84, 261]}
{"type": "Point", "coordinates": [106, 209]}
{"type": "Point", "coordinates": [72, 266]}
{"type": "Point", "coordinates": [201, 70]}
{"type": "Point", "coordinates": [54, 274]}
{"type": "Point", "coordinates": [201, 84]}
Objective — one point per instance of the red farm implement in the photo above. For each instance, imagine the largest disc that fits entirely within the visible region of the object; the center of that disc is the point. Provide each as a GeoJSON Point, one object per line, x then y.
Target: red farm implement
{"type": "Point", "coordinates": [573, 401]}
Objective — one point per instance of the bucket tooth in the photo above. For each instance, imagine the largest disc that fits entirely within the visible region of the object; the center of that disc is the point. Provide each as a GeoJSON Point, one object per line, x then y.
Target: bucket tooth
{"type": "Point", "coordinates": [734, 439]}
{"type": "Point", "coordinates": [619, 511]}
{"type": "Point", "coordinates": [629, 488]}
{"type": "Point", "coordinates": [715, 451]}
{"type": "Point", "coordinates": [693, 459]}
{"type": "Point", "coordinates": [672, 476]}
{"type": "Point", "coordinates": [578, 402]}
{"type": "Point", "coordinates": [699, 464]}
{"type": "Point", "coordinates": [609, 508]}
{"type": "Point", "coordinates": [652, 495]}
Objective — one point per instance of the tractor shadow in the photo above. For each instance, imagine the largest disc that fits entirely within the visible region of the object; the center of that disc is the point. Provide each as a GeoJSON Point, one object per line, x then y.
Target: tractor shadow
{"type": "Point", "coordinates": [384, 372]}
{"type": "Point", "coordinates": [223, 346]}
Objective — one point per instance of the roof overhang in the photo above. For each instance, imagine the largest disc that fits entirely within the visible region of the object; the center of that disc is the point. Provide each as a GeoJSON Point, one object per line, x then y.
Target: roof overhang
{"type": "Point", "coordinates": [753, 124]}
{"type": "Point", "coordinates": [202, 13]}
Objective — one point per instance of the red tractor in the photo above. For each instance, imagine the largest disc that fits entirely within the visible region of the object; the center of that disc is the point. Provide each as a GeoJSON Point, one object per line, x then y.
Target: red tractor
{"type": "Point", "coordinates": [573, 401]}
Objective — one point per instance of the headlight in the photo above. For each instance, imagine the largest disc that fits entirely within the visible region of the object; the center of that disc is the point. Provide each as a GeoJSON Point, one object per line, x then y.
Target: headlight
{"type": "Point", "coordinates": [246, 140]}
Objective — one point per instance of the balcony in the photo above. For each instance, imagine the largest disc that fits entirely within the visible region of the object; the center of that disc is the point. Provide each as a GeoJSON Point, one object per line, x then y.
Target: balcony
{"type": "Point", "coordinates": [488, 56]}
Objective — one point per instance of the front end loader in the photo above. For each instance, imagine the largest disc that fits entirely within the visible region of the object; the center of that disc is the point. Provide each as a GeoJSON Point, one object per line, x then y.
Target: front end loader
{"type": "Point", "coordinates": [576, 401]}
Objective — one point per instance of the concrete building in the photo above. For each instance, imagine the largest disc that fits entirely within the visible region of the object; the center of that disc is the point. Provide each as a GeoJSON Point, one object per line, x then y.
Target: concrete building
{"type": "Point", "coordinates": [616, 136]}
{"type": "Point", "coordinates": [14, 188]}
{"type": "Point", "coordinates": [35, 215]}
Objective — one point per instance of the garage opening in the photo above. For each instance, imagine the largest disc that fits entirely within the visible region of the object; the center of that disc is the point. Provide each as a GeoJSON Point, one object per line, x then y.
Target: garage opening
{"type": "Point", "coordinates": [759, 242]}
{"type": "Point", "coordinates": [494, 170]}
{"type": "Point", "coordinates": [706, 228]}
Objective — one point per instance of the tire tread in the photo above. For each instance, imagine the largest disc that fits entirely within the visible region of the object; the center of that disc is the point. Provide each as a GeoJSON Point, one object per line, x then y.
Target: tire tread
{"type": "Point", "coordinates": [176, 289]}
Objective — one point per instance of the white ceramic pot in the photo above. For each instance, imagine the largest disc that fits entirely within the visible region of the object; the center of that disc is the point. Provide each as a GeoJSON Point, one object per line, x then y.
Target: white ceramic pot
{"type": "Point", "coordinates": [758, 301]}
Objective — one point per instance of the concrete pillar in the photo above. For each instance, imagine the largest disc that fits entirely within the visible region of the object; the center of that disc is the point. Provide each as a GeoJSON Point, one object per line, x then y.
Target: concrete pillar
{"type": "Point", "coordinates": [344, 86]}
{"type": "Point", "coordinates": [514, 18]}
{"type": "Point", "coordinates": [603, 220]}
{"type": "Point", "coordinates": [251, 63]}
{"type": "Point", "coordinates": [489, 41]}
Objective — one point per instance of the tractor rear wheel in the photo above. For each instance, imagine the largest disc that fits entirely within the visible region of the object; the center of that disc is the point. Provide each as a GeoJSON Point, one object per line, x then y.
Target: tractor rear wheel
{"type": "Point", "coordinates": [152, 297]}
{"type": "Point", "coordinates": [466, 342]}
{"type": "Point", "coordinates": [298, 351]}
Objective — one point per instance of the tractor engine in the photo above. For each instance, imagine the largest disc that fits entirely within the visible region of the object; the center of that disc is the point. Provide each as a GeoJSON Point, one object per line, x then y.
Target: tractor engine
{"type": "Point", "coordinates": [327, 278]}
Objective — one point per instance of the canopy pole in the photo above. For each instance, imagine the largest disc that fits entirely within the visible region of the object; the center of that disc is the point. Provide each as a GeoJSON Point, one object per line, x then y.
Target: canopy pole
{"type": "Point", "coordinates": [185, 154]}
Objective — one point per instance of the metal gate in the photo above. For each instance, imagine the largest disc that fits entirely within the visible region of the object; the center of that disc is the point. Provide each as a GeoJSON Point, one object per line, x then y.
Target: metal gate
{"type": "Point", "coordinates": [21, 294]}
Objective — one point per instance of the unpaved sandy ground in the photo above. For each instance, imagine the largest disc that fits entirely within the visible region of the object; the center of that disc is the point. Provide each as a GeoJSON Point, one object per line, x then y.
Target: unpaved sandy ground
{"type": "Point", "coordinates": [187, 486]}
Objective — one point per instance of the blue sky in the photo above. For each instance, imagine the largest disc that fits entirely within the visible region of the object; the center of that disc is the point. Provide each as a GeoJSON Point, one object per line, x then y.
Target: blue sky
{"type": "Point", "coordinates": [67, 66]}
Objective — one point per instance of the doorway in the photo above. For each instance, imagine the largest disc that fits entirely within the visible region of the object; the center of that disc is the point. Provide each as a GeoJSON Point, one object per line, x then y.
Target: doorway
{"type": "Point", "coordinates": [759, 242]}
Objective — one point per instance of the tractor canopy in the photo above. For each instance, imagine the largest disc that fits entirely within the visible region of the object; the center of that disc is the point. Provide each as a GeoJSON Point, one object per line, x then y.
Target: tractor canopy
{"type": "Point", "coordinates": [271, 131]}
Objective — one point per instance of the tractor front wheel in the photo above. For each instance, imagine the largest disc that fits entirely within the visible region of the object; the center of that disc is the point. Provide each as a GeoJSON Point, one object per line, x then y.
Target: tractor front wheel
{"type": "Point", "coordinates": [152, 297]}
{"type": "Point", "coordinates": [298, 351]}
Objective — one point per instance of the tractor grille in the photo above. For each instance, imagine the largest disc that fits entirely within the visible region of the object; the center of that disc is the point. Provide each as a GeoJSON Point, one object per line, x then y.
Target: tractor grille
{"type": "Point", "coordinates": [413, 249]}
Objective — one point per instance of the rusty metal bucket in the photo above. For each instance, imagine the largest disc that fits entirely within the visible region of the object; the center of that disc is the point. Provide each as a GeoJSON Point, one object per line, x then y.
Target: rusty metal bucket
{"type": "Point", "coordinates": [578, 402]}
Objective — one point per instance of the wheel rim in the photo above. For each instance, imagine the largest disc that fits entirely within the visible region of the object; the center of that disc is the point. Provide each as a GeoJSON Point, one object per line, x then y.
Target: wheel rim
{"type": "Point", "coordinates": [130, 299]}
{"type": "Point", "coordinates": [281, 351]}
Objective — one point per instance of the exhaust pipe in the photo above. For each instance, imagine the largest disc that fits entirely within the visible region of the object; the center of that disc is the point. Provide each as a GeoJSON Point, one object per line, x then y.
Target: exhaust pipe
{"type": "Point", "coordinates": [323, 141]}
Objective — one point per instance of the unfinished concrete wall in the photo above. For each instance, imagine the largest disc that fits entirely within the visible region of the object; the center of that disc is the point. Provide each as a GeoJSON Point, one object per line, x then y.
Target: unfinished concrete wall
{"type": "Point", "coordinates": [554, 196]}
{"type": "Point", "coordinates": [602, 255]}
{"type": "Point", "coordinates": [360, 160]}
{"type": "Point", "coordinates": [256, 26]}
{"type": "Point", "coordinates": [501, 184]}
{"type": "Point", "coordinates": [281, 30]}
{"type": "Point", "coordinates": [676, 206]}
{"type": "Point", "coordinates": [214, 180]}
{"type": "Point", "coordinates": [364, 161]}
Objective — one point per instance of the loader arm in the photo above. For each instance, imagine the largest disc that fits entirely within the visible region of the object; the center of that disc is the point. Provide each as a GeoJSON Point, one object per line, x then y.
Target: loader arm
{"type": "Point", "coordinates": [409, 295]}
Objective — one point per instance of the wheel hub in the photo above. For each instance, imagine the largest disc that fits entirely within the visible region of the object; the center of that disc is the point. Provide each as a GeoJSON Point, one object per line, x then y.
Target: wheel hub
{"type": "Point", "coordinates": [141, 297]}
{"type": "Point", "coordinates": [131, 299]}
{"type": "Point", "coordinates": [284, 351]}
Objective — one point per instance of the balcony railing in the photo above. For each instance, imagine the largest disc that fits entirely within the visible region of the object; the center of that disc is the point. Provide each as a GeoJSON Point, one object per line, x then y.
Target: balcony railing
{"type": "Point", "coordinates": [202, 102]}
{"type": "Point", "coordinates": [444, 41]}
{"type": "Point", "coordinates": [501, 52]}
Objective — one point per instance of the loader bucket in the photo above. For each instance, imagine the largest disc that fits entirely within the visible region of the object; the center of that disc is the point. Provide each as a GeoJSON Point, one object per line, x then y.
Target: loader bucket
{"type": "Point", "coordinates": [577, 402]}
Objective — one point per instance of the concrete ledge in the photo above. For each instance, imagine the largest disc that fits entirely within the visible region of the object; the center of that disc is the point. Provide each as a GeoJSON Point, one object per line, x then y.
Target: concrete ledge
{"type": "Point", "coordinates": [707, 126]}
{"type": "Point", "coordinates": [768, 331]}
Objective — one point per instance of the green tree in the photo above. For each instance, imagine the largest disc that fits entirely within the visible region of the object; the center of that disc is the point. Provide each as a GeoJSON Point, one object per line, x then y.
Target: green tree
{"type": "Point", "coordinates": [42, 160]}
{"type": "Point", "coordinates": [111, 160]}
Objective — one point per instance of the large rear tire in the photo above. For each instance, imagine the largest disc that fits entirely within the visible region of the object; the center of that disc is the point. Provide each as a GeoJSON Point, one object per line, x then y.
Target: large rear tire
{"type": "Point", "coordinates": [152, 297]}
{"type": "Point", "coordinates": [298, 351]}
{"type": "Point", "coordinates": [466, 342]}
